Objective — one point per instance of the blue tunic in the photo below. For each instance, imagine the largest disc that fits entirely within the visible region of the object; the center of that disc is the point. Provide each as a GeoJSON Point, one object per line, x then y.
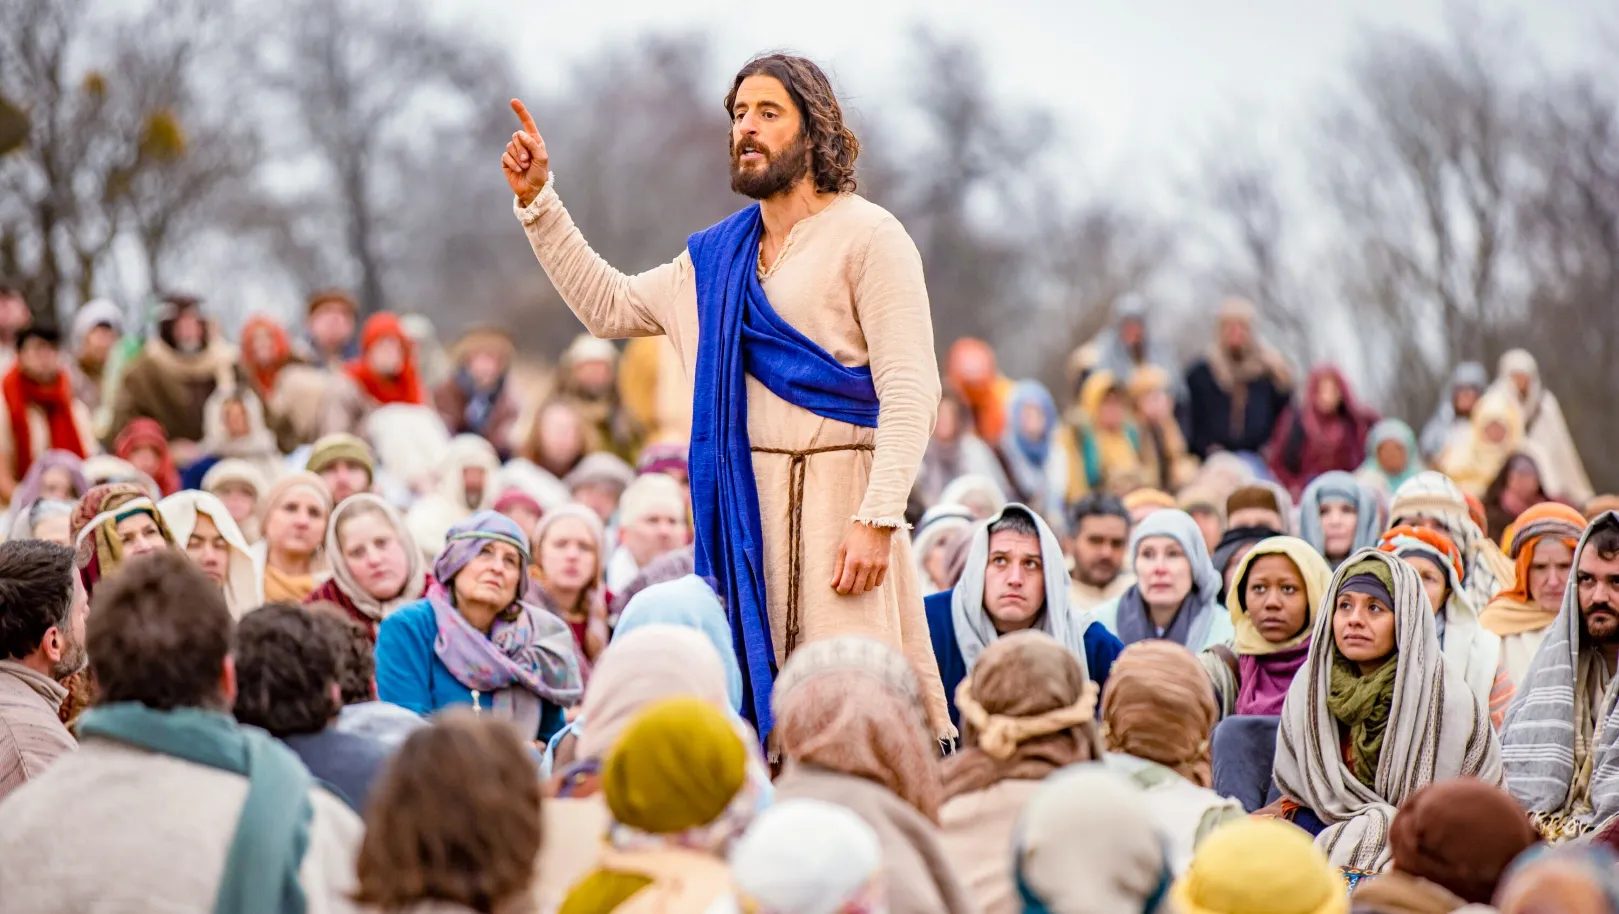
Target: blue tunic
{"type": "Point", "coordinates": [410, 674]}
{"type": "Point", "coordinates": [1101, 647]}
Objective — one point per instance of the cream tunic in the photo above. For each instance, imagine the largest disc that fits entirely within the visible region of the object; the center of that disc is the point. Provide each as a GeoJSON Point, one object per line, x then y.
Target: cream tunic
{"type": "Point", "coordinates": [850, 279]}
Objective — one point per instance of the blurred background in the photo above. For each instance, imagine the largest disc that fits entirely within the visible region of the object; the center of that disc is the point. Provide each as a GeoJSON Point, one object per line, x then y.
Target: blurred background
{"type": "Point", "coordinates": [1398, 186]}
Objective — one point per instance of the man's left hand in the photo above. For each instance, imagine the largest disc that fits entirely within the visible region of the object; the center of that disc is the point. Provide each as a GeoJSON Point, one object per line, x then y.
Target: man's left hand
{"type": "Point", "coordinates": [862, 559]}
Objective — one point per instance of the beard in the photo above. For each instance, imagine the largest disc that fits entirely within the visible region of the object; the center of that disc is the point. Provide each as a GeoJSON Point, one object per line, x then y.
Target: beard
{"type": "Point", "coordinates": [1098, 574]}
{"type": "Point", "coordinates": [1604, 628]}
{"type": "Point", "coordinates": [781, 169]}
{"type": "Point", "coordinates": [74, 659]}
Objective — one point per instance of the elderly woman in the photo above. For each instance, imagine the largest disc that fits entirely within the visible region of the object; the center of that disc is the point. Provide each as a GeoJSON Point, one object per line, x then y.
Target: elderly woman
{"type": "Point", "coordinates": [1375, 714]}
{"type": "Point", "coordinates": [941, 529]}
{"type": "Point", "coordinates": [1337, 516]}
{"type": "Point", "coordinates": [1175, 590]}
{"type": "Point", "coordinates": [1541, 545]}
{"type": "Point", "coordinates": [295, 514]}
{"type": "Point", "coordinates": [1027, 710]}
{"type": "Point", "coordinates": [242, 488]}
{"type": "Point", "coordinates": [569, 544]}
{"type": "Point", "coordinates": [851, 725]}
{"type": "Point", "coordinates": [681, 788]}
{"type": "Point", "coordinates": [112, 524]}
{"type": "Point", "coordinates": [478, 639]}
{"type": "Point", "coordinates": [56, 476]}
{"type": "Point", "coordinates": [1157, 714]}
{"type": "Point", "coordinates": [376, 567]}
{"type": "Point", "coordinates": [202, 525]}
{"type": "Point", "coordinates": [1472, 649]}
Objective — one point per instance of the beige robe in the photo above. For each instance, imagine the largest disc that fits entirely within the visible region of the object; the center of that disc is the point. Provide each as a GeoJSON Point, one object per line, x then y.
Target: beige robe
{"type": "Point", "coordinates": [31, 736]}
{"type": "Point", "coordinates": [113, 829]}
{"type": "Point", "coordinates": [850, 279]}
{"type": "Point", "coordinates": [977, 831]}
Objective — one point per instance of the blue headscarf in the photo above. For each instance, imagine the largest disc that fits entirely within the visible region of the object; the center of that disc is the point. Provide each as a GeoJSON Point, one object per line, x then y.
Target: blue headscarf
{"type": "Point", "coordinates": [1034, 450]}
{"type": "Point", "coordinates": [1339, 486]}
{"type": "Point", "coordinates": [689, 603]}
{"type": "Point", "coordinates": [1396, 431]}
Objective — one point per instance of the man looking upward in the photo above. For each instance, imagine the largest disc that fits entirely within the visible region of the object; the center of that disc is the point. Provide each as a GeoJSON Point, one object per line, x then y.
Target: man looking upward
{"type": "Point", "coordinates": [802, 322]}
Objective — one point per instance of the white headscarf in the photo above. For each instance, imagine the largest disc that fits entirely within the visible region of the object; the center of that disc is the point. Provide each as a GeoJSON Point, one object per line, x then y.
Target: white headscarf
{"type": "Point", "coordinates": [808, 856]}
{"type": "Point", "coordinates": [244, 578]}
{"type": "Point", "coordinates": [938, 522]}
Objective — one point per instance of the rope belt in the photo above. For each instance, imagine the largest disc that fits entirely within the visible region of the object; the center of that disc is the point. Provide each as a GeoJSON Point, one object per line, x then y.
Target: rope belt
{"type": "Point", "coordinates": [797, 468]}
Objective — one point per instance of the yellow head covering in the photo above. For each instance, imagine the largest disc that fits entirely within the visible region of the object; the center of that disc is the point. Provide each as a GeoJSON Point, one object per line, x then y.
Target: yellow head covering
{"type": "Point", "coordinates": [1317, 578]}
{"type": "Point", "coordinates": [1261, 866]}
{"type": "Point", "coordinates": [677, 766]}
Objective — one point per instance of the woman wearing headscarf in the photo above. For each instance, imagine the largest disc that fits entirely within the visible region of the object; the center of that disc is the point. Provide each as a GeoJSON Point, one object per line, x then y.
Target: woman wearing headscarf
{"type": "Point", "coordinates": [1325, 431]}
{"type": "Point", "coordinates": [386, 369]}
{"type": "Point", "coordinates": [1338, 516]}
{"type": "Point", "coordinates": [1473, 650]}
{"type": "Point", "coordinates": [477, 638]}
{"type": "Point", "coordinates": [376, 565]}
{"type": "Point", "coordinates": [640, 669]}
{"type": "Point", "coordinates": [937, 534]}
{"type": "Point", "coordinates": [1259, 865]}
{"type": "Point", "coordinates": [1451, 843]}
{"type": "Point", "coordinates": [466, 485]}
{"type": "Point", "coordinates": [981, 495]}
{"type": "Point", "coordinates": [1166, 461]}
{"type": "Point", "coordinates": [1027, 710]}
{"type": "Point", "coordinates": [1391, 458]}
{"type": "Point", "coordinates": [1157, 716]}
{"type": "Point", "coordinates": [1522, 614]}
{"type": "Point", "coordinates": [558, 438]}
{"type": "Point", "coordinates": [1518, 377]}
{"type": "Point", "coordinates": [1106, 446]}
{"type": "Point", "coordinates": [112, 524]}
{"type": "Point", "coordinates": [55, 476]}
{"type": "Point", "coordinates": [954, 451]}
{"type": "Point", "coordinates": [234, 427]}
{"type": "Point", "coordinates": [681, 790]}
{"type": "Point", "coordinates": [1272, 601]}
{"type": "Point", "coordinates": [1431, 500]}
{"type": "Point", "coordinates": [1497, 433]}
{"type": "Point", "coordinates": [203, 527]}
{"type": "Point", "coordinates": [295, 515]}
{"type": "Point", "coordinates": [686, 602]}
{"type": "Point", "coordinates": [970, 367]}
{"type": "Point", "coordinates": [1175, 590]}
{"type": "Point", "coordinates": [1036, 464]}
{"type": "Point", "coordinates": [1568, 879]}
{"type": "Point", "coordinates": [569, 569]}
{"type": "Point", "coordinates": [1514, 490]}
{"type": "Point", "coordinates": [146, 446]}
{"type": "Point", "coordinates": [851, 726]}
{"type": "Point", "coordinates": [46, 520]}
{"type": "Point", "coordinates": [242, 488]}
{"type": "Point", "coordinates": [809, 857]}
{"type": "Point", "coordinates": [1451, 422]}
{"type": "Point", "coordinates": [1376, 714]}
{"type": "Point", "coordinates": [1088, 843]}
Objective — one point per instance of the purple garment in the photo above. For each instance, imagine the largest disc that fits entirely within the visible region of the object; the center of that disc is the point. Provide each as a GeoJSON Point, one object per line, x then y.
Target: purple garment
{"type": "Point", "coordinates": [27, 494]}
{"type": "Point", "coordinates": [1265, 679]}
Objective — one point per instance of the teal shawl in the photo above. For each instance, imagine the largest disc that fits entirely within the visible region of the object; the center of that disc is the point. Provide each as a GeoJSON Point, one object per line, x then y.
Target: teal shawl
{"type": "Point", "coordinates": [261, 868]}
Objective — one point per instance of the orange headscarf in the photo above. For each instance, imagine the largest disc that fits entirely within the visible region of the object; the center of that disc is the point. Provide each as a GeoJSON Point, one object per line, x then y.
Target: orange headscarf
{"type": "Point", "coordinates": [970, 367]}
{"type": "Point", "coordinates": [405, 387]}
{"type": "Point", "coordinates": [264, 374]}
{"type": "Point", "coordinates": [1513, 611]}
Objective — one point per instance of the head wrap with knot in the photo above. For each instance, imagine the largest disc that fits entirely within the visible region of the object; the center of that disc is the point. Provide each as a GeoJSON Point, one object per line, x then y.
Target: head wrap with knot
{"type": "Point", "coordinates": [98, 550]}
{"type": "Point", "coordinates": [1158, 706]}
{"type": "Point", "coordinates": [1027, 710]}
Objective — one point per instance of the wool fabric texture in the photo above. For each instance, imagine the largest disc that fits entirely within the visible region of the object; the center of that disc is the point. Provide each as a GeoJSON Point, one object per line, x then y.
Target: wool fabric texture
{"type": "Point", "coordinates": [1158, 706]}
{"type": "Point", "coordinates": [1259, 866]}
{"type": "Point", "coordinates": [1461, 834]}
{"type": "Point", "coordinates": [146, 433]}
{"type": "Point", "coordinates": [98, 549]}
{"type": "Point", "coordinates": [640, 668]}
{"type": "Point", "coordinates": [1437, 729]}
{"type": "Point", "coordinates": [676, 766]}
{"type": "Point", "coordinates": [1027, 709]}
{"type": "Point", "coordinates": [853, 705]}
{"type": "Point", "coordinates": [687, 602]}
{"type": "Point", "coordinates": [341, 446]}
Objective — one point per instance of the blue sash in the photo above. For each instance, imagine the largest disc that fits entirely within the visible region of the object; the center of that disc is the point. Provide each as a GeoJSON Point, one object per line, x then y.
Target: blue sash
{"type": "Point", "coordinates": [738, 334]}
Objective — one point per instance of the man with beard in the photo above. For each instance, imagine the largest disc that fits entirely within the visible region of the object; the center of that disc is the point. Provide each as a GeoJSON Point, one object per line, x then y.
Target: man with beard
{"type": "Point", "coordinates": [1101, 526]}
{"type": "Point", "coordinates": [173, 377]}
{"type": "Point", "coordinates": [1238, 389]}
{"type": "Point", "coordinates": [1568, 777]}
{"type": "Point", "coordinates": [42, 613]}
{"type": "Point", "coordinates": [803, 322]}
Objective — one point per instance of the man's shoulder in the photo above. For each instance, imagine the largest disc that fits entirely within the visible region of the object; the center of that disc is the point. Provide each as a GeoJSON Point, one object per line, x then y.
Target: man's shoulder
{"type": "Point", "coordinates": [854, 213]}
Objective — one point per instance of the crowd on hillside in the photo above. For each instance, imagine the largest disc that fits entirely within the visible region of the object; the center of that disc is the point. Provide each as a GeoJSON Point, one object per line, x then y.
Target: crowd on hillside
{"type": "Point", "coordinates": [334, 617]}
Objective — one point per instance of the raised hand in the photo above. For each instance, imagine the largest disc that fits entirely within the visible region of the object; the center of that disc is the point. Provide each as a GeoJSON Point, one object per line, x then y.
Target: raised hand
{"type": "Point", "coordinates": [526, 163]}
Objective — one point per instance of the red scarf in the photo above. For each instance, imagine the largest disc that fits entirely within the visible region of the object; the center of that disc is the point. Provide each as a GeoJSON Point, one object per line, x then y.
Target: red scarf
{"type": "Point", "coordinates": [148, 433]}
{"type": "Point", "coordinates": [405, 387]}
{"type": "Point", "coordinates": [56, 400]}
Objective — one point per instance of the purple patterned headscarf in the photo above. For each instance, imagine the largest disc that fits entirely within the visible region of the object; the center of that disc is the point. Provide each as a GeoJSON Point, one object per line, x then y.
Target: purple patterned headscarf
{"type": "Point", "coordinates": [528, 652]}
{"type": "Point", "coordinates": [28, 490]}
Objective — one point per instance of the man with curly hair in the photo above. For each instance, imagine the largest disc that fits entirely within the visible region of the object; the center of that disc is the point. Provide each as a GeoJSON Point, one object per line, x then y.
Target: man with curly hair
{"type": "Point", "coordinates": [803, 324]}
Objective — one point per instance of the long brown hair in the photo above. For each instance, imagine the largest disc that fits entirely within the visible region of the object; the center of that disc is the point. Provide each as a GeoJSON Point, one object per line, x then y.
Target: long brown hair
{"type": "Point", "coordinates": [833, 146]}
{"type": "Point", "coordinates": [455, 817]}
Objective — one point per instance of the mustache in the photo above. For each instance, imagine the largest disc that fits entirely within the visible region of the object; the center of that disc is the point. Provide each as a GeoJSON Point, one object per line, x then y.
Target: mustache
{"type": "Point", "coordinates": [1602, 608]}
{"type": "Point", "coordinates": [748, 144]}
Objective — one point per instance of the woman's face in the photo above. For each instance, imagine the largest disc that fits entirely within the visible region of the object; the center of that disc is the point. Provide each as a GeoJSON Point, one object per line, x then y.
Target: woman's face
{"type": "Point", "coordinates": [1362, 629]}
{"type": "Point", "coordinates": [56, 484]}
{"type": "Point", "coordinates": [297, 523]}
{"type": "Point", "coordinates": [1495, 431]}
{"type": "Point", "coordinates": [1275, 598]}
{"type": "Point", "coordinates": [1463, 400]}
{"type": "Point", "coordinates": [491, 578]}
{"type": "Point", "coordinates": [373, 554]}
{"type": "Point", "coordinates": [1338, 519]}
{"type": "Point", "coordinates": [262, 346]}
{"type": "Point", "coordinates": [1392, 456]}
{"type": "Point", "coordinates": [386, 357]}
{"type": "Point", "coordinates": [236, 424]}
{"type": "Point", "coordinates": [1523, 480]}
{"type": "Point", "coordinates": [562, 437]}
{"type": "Point", "coordinates": [139, 534]}
{"type": "Point", "coordinates": [1110, 413]}
{"type": "Point", "coordinates": [567, 555]}
{"type": "Point", "coordinates": [1032, 422]}
{"type": "Point", "coordinates": [1164, 571]}
{"type": "Point", "coordinates": [147, 460]}
{"type": "Point", "coordinates": [239, 500]}
{"type": "Point", "coordinates": [1434, 583]}
{"type": "Point", "coordinates": [1328, 395]}
{"type": "Point", "coordinates": [57, 529]}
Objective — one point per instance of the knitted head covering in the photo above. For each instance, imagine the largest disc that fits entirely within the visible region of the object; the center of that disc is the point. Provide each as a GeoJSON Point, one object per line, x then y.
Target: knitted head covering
{"type": "Point", "coordinates": [643, 667]}
{"type": "Point", "coordinates": [1461, 834]}
{"type": "Point", "coordinates": [98, 549]}
{"type": "Point", "coordinates": [332, 448]}
{"type": "Point", "coordinates": [1026, 710]}
{"type": "Point", "coordinates": [1259, 866]}
{"type": "Point", "coordinates": [1146, 497]}
{"type": "Point", "coordinates": [1400, 433]}
{"type": "Point", "coordinates": [1088, 842]}
{"type": "Point", "coordinates": [688, 602]}
{"type": "Point", "coordinates": [808, 856]}
{"type": "Point", "coordinates": [853, 705]}
{"type": "Point", "coordinates": [1311, 567]}
{"type": "Point", "coordinates": [1158, 706]}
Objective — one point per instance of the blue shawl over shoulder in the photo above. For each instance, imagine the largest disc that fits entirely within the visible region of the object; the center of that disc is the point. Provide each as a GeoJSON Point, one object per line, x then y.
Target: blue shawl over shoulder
{"type": "Point", "coordinates": [738, 334]}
